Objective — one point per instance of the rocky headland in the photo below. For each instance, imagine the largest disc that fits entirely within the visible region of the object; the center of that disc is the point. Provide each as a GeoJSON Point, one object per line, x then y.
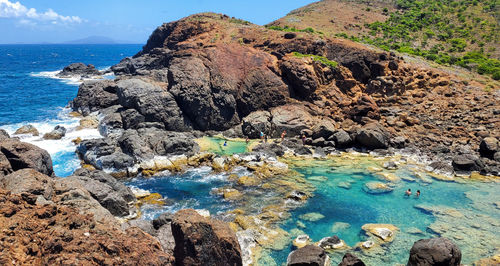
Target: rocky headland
{"type": "Point", "coordinates": [210, 74]}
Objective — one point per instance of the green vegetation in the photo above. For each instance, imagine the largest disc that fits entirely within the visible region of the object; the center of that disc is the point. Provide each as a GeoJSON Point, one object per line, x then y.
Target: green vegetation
{"type": "Point", "coordinates": [239, 21]}
{"type": "Point", "coordinates": [317, 58]}
{"type": "Point", "coordinates": [293, 29]}
{"type": "Point", "coordinates": [449, 32]}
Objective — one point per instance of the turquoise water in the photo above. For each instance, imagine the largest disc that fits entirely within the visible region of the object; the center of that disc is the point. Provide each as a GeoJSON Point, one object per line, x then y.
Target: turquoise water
{"type": "Point", "coordinates": [356, 207]}
{"type": "Point", "coordinates": [193, 189]}
{"type": "Point", "coordinates": [216, 145]}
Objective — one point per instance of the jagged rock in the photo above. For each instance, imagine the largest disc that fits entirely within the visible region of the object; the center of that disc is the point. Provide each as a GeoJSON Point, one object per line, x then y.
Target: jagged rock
{"type": "Point", "coordinates": [132, 119]}
{"type": "Point", "coordinates": [94, 95]}
{"type": "Point", "coordinates": [333, 242]}
{"type": "Point", "coordinates": [351, 260]}
{"type": "Point", "coordinates": [373, 136]}
{"type": "Point", "coordinates": [79, 69]}
{"type": "Point", "coordinates": [5, 167]}
{"type": "Point", "coordinates": [308, 255]}
{"type": "Point", "coordinates": [24, 155]}
{"type": "Point", "coordinates": [56, 233]}
{"type": "Point", "coordinates": [203, 241]}
{"type": "Point", "coordinates": [300, 76]}
{"type": "Point", "coordinates": [27, 129]}
{"type": "Point", "coordinates": [153, 102]}
{"type": "Point", "coordinates": [256, 122]}
{"type": "Point", "coordinates": [4, 135]}
{"type": "Point", "coordinates": [110, 124]}
{"type": "Point", "coordinates": [488, 147]}
{"type": "Point", "coordinates": [435, 251]}
{"type": "Point", "coordinates": [163, 219]}
{"type": "Point", "coordinates": [110, 193]}
{"type": "Point", "coordinates": [58, 133]}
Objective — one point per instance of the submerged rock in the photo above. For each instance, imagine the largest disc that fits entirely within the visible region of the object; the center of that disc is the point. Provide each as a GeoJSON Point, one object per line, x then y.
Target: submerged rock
{"type": "Point", "coordinates": [383, 231]}
{"type": "Point", "coordinates": [312, 216]}
{"type": "Point", "coordinates": [351, 260]}
{"type": "Point", "coordinates": [375, 187]}
{"type": "Point", "coordinates": [203, 241]}
{"type": "Point", "coordinates": [309, 255]}
{"type": "Point", "coordinates": [435, 251]}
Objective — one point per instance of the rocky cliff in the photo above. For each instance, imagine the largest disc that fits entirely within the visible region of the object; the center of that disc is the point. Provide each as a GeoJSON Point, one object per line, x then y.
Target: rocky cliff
{"type": "Point", "coordinates": [210, 72]}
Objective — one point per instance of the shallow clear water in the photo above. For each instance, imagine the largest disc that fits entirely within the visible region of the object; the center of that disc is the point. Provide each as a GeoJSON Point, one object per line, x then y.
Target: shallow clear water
{"type": "Point", "coordinates": [216, 145]}
{"type": "Point", "coordinates": [192, 189]}
{"type": "Point", "coordinates": [30, 93]}
{"type": "Point", "coordinates": [356, 208]}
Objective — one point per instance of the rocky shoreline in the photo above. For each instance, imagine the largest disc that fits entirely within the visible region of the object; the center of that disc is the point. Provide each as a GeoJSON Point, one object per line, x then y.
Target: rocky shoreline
{"type": "Point", "coordinates": [206, 75]}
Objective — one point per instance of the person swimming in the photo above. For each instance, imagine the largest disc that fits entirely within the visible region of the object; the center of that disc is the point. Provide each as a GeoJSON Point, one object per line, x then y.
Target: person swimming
{"type": "Point", "coordinates": [225, 142]}
{"type": "Point", "coordinates": [408, 192]}
{"type": "Point", "coordinates": [418, 194]}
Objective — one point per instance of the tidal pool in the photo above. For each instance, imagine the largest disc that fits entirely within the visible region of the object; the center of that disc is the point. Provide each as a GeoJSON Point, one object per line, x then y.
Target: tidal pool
{"type": "Point", "coordinates": [466, 211]}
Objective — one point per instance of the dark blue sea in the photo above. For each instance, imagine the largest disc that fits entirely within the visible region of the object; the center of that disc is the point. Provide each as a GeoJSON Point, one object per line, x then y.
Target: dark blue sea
{"type": "Point", "coordinates": [30, 93]}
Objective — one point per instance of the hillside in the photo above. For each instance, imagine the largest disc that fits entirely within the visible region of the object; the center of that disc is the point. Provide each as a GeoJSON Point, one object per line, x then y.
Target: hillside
{"type": "Point", "coordinates": [459, 32]}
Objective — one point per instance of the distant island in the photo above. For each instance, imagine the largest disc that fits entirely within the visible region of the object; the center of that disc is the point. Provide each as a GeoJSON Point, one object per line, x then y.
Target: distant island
{"type": "Point", "coordinates": [97, 40]}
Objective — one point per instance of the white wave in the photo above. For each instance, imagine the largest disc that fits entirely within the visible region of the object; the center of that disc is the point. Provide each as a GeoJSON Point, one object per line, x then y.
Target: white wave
{"type": "Point", "coordinates": [72, 80]}
{"type": "Point", "coordinates": [57, 148]}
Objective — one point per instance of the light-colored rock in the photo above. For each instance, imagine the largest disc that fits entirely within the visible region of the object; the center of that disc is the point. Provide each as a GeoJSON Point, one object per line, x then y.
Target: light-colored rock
{"type": "Point", "coordinates": [301, 241]}
{"type": "Point", "coordinates": [312, 216]}
{"type": "Point", "coordinates": [385, 232]}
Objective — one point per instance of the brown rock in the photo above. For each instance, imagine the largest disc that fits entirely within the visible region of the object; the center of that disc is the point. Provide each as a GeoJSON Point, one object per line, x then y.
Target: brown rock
{"type": "Point", "coordinates": [202, 241]}
{"type": "Point", "coordinates": [24, 155]}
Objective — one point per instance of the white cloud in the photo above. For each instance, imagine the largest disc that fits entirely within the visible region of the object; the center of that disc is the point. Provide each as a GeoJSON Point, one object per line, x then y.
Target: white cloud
{"type": "Point", "coordinates": [17, 10]}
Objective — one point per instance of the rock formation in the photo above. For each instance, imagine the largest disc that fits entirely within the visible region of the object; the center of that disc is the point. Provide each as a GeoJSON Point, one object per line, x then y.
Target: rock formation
{"type": "Point", "coordinates": [78, 69]}
{"type": "Point", "coordinates": [193, 75]}
{"type": "Point", "coordinates": [434, 251]}
{"type": "Point", "coordinates": [201, 241]}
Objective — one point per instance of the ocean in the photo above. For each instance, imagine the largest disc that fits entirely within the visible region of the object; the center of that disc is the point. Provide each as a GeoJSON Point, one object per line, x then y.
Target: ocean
{"type": "Point", "coordinates": [30, 93]}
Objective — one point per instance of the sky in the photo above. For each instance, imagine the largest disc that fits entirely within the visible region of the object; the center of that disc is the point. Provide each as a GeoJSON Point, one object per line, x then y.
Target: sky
{"type": "Point", "coordinates": [55, 21]}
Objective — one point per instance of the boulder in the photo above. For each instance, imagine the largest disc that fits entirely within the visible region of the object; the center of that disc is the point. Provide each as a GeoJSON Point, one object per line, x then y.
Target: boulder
{"type": "Point", "coordinates": [351, 260]}
{"type": "Point", "coordinates": [78, 69]}
{"type": "Point", "coordinates": [323, 129]}
{"type": "Point", "coordinates": [153, 102]}
{"type": "Point", "coordinates": [333, 242]}
{"type": "Point", "coordinates": [28, 181]}
{"type": "Point", "coordinates": [292, 118]}
{"type": "Point", "coordinates": [342, 139]}
{"type": "Point", "coordinates": [256, 122]}
{"type": "Point", "coordinates": [488, 147]}
{"type": "Point", "coordinates": [58, 133]}
{"type": "Point", "coordinates": [309, 255]}
{"type": "Point", "coordinates": [94, 95]}
{"type": "Point", "coordinates": [373, 136]}
{"type": "Point", "coordinates": [270, 148]}
{"type": "Point", "coordinates": [203, 241]}
{"type": "Point", "coordinates": [27, 129]}
{"type": "Point", "coordinates": [467, 162]}
{"type": "Point", "coordinates": [435, 251]}
{"type": "Point", "coordinates": [24, 155]}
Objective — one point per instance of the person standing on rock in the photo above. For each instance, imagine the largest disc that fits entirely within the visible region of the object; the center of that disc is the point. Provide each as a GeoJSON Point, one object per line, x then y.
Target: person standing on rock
{"type": "Point", "coordinates": [303, 139]}
{"type": "Point", "coordinates": [247, 140]}
{"type": "Point", "coordinates": [283, 134]}
{"type": "Point", "coordinates": [261, 135]}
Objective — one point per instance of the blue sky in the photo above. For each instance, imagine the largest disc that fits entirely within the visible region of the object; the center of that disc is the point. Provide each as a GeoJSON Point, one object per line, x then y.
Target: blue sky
{"type": "Point", "coordinates": [37, 21]}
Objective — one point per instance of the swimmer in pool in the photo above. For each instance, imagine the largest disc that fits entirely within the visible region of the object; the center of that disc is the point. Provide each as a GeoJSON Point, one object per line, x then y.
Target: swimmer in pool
{"type": "Point", "coordinates": [418, 194]}
{"type": "Point", "coordinates": [408, 192]}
